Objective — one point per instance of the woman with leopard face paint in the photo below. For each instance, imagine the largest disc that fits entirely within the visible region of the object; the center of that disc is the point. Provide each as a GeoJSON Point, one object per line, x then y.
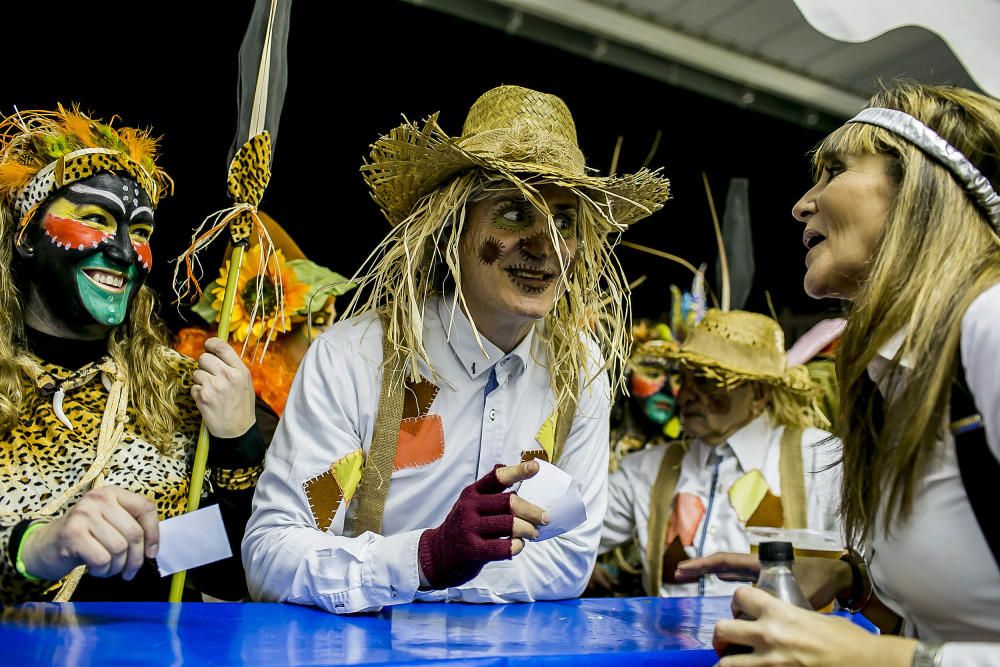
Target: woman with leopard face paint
{"type": "Point", "coordinates": [90, 394]}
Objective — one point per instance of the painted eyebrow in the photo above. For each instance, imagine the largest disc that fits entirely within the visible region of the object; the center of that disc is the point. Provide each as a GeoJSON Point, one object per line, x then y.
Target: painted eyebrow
{"type": "Point", "coordinates": [565, 207]}
{"type": "Point", "coordinates": [141, 209]}
{"type": "Point", "coordinates": [87, 190]}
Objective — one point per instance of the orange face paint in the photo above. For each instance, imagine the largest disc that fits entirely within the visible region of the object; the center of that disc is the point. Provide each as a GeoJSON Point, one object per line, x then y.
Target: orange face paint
{"type": "Point", "coordinates": [72, 234]}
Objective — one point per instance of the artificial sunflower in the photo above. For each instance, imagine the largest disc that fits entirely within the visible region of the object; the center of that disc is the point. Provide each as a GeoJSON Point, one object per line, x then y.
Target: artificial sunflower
{"type": "Point", "coordinates": [272, 285]}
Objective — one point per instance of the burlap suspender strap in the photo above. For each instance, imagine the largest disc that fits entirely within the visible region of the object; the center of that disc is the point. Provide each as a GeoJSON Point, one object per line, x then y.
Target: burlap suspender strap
{"type": "Point", "coordinates": [661, 498]}
{"type": "Point", "coordinates": [373, 489]}
{"type": "Point", "coordinates": [793, 482]}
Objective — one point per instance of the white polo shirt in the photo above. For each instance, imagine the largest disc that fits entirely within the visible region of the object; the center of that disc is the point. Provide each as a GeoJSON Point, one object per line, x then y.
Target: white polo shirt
{"type": "Point", "coordinates": [331, 412]}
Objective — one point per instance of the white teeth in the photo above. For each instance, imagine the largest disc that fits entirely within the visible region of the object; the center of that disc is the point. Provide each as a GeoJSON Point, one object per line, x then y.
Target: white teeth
{"type": "Point", "coordinates": [109, 279]}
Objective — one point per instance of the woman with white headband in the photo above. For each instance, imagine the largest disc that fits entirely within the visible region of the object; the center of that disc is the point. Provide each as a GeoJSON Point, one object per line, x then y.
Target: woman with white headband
{"type": "Point", "coordinates": [903, 221]}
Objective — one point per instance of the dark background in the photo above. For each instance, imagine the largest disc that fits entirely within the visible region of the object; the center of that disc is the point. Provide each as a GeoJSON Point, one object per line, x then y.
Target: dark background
{"type": "Point", "coordinates": [353, 69]}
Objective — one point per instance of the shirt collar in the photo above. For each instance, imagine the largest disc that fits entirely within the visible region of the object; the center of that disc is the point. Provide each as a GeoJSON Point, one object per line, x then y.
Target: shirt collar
{"type": "Point", "coordinates": [462, 338]}
{"type": "Point", "coordinates": [881, 364]}
{"type": "Point", "coordinates": [749, 444]}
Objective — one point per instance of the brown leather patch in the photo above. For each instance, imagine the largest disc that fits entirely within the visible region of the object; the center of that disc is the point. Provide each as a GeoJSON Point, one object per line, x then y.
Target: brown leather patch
{"type": "Point", "coordinates": [534, 454]}
{"type": "Point", "coordinates": [671, 558]}
{"type": "Point", "coordinates": [417, 399]}
{"type": "Point", "coordinates": [421, 441]}
{"type": "Point", "coordinates": [324, 496]}
{"type": "Point", "coordinates": [768, 514]}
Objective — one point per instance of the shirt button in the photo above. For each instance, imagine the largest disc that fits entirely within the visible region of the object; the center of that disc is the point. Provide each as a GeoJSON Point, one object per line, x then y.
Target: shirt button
{"type": "Point", "coordinates": [711, 531]}
{"type": "Point", "coordinates": [493, 414]}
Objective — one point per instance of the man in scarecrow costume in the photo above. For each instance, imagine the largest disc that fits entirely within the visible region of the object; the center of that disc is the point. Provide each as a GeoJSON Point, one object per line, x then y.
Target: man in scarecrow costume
{"type": "Point", "coordinates": [753, 457]}
{"type": "Point", "coordinates": [98, 416]}
{"type": "Point", "coordinates": [493, 311]}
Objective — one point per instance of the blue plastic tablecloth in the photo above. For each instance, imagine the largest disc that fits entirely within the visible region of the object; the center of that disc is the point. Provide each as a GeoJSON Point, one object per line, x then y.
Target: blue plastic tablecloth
{"type": "Point", "coordinates": [608, 631]}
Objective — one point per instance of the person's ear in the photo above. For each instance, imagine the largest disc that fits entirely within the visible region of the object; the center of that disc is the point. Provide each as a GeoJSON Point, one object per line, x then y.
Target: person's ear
{"type": "Point", "coordinates": [761, 396]}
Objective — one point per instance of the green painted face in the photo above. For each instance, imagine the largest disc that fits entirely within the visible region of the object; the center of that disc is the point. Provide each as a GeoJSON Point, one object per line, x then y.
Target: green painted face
{"type": "Point", "coordinates": [659, 407]}
{"type": "Point", "coordinates": [104, 289]}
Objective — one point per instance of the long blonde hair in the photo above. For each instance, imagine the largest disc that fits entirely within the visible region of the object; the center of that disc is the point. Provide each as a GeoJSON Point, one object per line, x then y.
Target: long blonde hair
{"type": "Point", "coordinates": [138, 346]}
{"type": "Point", "coordinates": [421, 253]}
{"type": "Point", "coordinates": [936, 254]}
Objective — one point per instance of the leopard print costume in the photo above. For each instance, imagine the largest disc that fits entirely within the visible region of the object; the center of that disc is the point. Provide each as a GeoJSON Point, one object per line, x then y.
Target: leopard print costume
{"type": "Point", "coordinates": [41, 457]}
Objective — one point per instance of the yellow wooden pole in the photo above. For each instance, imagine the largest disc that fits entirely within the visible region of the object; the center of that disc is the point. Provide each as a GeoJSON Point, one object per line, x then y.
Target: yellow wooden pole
{"type": "Point", "coordinates": [201, 452]}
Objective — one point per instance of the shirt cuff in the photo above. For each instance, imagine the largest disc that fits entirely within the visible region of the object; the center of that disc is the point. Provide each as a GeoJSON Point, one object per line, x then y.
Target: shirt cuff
{"type": "Point", "coordinates": [393, 574]}
{"type": "Point", "coordinates": [970, 654]}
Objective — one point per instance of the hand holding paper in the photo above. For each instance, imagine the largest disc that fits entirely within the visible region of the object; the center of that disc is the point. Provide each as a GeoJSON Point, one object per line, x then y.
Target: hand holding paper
{"type": "Point", "coordinates": [192, 539]}
{"type": "Point", "coordinates": [558, 494]}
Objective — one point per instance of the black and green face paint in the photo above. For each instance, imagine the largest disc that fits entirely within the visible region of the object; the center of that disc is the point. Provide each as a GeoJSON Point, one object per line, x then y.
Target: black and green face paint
{"type": "Point", "coordinates": [88, 253]}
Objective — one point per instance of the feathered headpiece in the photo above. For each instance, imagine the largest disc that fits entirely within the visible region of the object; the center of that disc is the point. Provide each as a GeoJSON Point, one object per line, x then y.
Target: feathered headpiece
{"type": "Point", "coordinates": [42, 151]}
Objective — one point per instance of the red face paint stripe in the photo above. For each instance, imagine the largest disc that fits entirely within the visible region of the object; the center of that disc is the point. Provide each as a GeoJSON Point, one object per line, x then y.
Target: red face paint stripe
{"type": "Point", "coordinates": [145, 254]}
{"type": "Point", "coordinates": [72, 234]}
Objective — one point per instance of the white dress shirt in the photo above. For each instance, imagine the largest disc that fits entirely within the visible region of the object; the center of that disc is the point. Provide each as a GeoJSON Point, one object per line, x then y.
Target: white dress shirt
{"type": "Point", "coordinates": [331, 412]}
{"type": "Point", "coordinates": [935, 569]}
{"type": "Point", "coordinates": [708, 472]}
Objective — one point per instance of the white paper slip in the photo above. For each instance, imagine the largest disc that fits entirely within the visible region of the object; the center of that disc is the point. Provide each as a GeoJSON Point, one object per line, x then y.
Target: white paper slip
{"type": "Point", "coordinates": [558, 494]}
{"type": "Point", "coordinates": [192, 539]}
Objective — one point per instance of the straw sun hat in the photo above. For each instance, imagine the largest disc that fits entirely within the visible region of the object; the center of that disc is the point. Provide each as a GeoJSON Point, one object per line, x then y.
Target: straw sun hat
{"type": "Point", "coordinates": [733, 347]}
{"type": "Point", "coordinates": [511, 130]}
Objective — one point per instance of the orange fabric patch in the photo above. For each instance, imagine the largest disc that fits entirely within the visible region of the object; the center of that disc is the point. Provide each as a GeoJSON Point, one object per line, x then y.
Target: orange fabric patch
{"type": "Point", "coordinates": [324, 496]}
{"type": "Point", "coordinates": [684, 520]}
{"type": "Point", "coordinates": [421, 441]}
{"type": "Point", "coordinates": [769, 514]}
{"type": "Point", "coordinates": [534, 454]}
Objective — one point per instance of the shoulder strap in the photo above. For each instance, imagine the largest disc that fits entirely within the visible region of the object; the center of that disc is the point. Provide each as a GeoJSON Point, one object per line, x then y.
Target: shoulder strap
{"type": "Point", "coordinates": [566, 413]}
{"type": "Point", "coordinates": [977, 465]}
{"type": "Point", "coordinates": [369, 501]}
{"type": "Point", "coordinates": [793, 484]}
{"type": "Point", "coordinates": [661, 498]}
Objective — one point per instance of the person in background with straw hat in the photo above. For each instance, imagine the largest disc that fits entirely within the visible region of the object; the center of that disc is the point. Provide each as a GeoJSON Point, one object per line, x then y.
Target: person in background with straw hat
{"type": "Point", "coordinates": [492, 313]}
{"type": "Point", "coordinates": [753, 457]}
{"type": "Point", "coordinates": [98, 416]}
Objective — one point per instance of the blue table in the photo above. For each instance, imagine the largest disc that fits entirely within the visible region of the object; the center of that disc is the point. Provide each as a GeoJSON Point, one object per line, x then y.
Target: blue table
{"type": "Point", "coordinates": [612, 631]}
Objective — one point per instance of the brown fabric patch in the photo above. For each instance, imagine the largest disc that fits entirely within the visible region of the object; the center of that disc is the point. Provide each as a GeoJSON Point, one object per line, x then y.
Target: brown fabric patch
{"type": "Point", "coordinates": [324, 496]}
{"type": "Point", "coordinates": [491, 251]}
{"type": "Point", "coordinates": [769, 513]}
{"type": "Point", "coordinates": [535, 454]}
{"type": "Point", "coordinates": [421, 441]}
{"type": "Point", "coordinates": [674, 555]}
{"type": "Point", "coordinates": [418, 399]}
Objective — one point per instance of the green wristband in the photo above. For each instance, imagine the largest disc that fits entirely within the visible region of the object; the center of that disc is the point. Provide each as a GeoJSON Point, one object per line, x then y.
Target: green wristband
{"type": "Point", "coordinates": [19, 563]}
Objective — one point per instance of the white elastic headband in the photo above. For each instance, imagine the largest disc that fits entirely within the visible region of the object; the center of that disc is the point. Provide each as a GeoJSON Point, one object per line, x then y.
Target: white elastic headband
{"type": "Point", "coordinates": [933, 144]}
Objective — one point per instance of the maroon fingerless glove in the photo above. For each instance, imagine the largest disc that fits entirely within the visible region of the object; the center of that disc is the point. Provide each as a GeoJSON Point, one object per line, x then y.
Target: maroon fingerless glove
{"type": "Point", "coordinates": [470, 536]}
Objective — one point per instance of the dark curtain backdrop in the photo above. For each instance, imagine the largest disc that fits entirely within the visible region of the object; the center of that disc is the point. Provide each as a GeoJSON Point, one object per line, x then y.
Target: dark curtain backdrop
{"type": "Point", "coordinates": [354, 68]}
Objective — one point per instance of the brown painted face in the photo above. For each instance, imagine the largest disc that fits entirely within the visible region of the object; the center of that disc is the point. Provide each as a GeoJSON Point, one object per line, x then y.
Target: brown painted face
{"type": "Point", "coordinates": [510, 267]}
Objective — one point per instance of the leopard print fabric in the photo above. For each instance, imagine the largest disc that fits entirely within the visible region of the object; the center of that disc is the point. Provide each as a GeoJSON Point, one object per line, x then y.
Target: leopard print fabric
{"type": "Point", "coordinates": [41, 457]}
{"type": "Point", "coordinates": [249, 175]}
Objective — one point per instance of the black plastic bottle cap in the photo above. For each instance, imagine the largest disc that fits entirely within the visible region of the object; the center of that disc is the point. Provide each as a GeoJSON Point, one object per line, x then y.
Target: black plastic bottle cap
{"type": "Point", "coordinates": [775, 551]}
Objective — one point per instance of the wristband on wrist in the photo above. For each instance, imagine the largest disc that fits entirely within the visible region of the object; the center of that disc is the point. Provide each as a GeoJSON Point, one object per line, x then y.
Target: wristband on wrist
{"type": "Point", "coordinates": [18, 561]}
{"type": "Point", "coordinates": [927, 655]}
{"type": "Point", "coordinates": [860, 594]}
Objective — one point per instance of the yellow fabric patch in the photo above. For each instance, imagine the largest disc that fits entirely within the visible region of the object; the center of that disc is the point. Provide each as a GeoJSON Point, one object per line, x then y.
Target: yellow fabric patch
{"type": "Point", "coordinates": [747, 492]}
{"type": "Point", "coordinates": [546, 436]}
{"type": "Point", "coordinates": [347, 472]}
{"type": "Point", "coordinates": [672, 429]}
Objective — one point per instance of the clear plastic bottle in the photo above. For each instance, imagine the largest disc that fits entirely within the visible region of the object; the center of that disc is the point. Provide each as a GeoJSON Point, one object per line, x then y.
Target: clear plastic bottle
{"type": "Point", "coordinates": [776, 574]}
{"type": "Point", "coordinates": [777, 578]}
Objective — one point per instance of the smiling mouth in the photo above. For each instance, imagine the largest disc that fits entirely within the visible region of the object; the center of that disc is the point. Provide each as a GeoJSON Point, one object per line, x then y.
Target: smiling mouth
{"type": "Point", "coordinates": [530, 280]}
{"type": "Point", "coordinates": [108, 281]}
{"type": "Point", "coordinates": [811, 238]}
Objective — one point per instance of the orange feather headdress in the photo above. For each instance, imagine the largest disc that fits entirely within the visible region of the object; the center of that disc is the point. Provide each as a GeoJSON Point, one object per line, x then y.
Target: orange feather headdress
{"type": "Point", "coordinates": [42, 151]}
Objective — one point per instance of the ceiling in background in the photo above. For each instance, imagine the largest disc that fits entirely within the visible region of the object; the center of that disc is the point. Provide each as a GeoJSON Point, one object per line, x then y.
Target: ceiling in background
{"type": "Point", "coordinates": [757, 54]}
